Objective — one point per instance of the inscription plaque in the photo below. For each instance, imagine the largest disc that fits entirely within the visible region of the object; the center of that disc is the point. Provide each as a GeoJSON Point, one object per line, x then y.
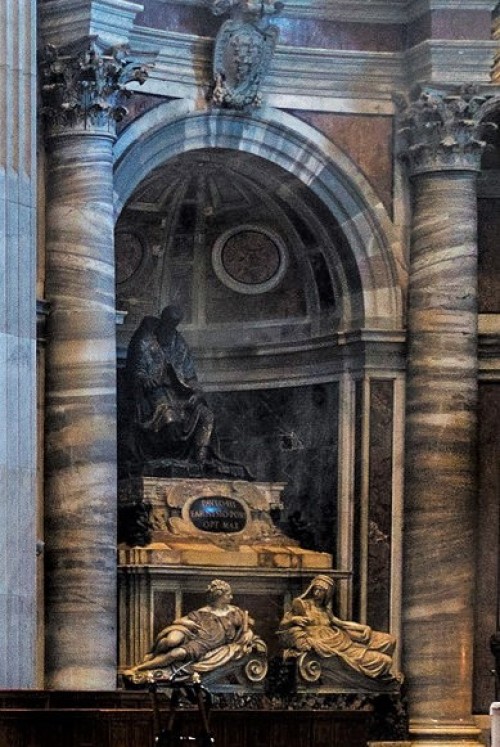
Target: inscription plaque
{"type": "Point", "coordinates": [217, 513]}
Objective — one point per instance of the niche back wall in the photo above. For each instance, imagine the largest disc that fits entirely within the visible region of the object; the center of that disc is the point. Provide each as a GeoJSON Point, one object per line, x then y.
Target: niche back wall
{"type": "Point", "coordinates": [288, 435]}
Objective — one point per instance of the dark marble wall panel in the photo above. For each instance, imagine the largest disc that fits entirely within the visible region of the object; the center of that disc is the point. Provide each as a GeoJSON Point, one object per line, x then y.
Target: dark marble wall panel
{"type": "Point", "coordinates": [358, 469]}
{"type": "Point", "coordinates": [334, 35]}
{"type": "Point", "coordinates": [181, 18]}
{"type": "Point", "coordinates": [489, 256]}
{"type": "Point", "coordinates": [366, 139]}
{"type": "Point", "coordinates": [293, 31]}
{"type": "Point", "coordinates": [461, 24]}
{"type": "Point", "coordinates": [380, 504]}
{"type": "Point", "coordinates": [138, 105]}
{"type": "Point", "coordinates": [164, 609]}
{"type": "Point", "coordinates": [288, 435]}
{"type": "Point", "coordinates": [449, 24]}
{"type": "Point", "coordinates": [488, 517]}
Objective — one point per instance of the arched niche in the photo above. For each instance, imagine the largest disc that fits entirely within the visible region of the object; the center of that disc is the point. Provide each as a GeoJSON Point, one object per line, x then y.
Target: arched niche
{"type": "Point", "coordinates": [370, 249]}
{"type": "Point", "coordinates": [290, 395]}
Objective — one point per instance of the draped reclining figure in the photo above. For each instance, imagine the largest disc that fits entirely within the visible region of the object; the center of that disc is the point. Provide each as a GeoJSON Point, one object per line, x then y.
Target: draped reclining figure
{"type": "Point", "coordinates": [332, 652]}
{"type": "Point", "coordinates": [212, 641]}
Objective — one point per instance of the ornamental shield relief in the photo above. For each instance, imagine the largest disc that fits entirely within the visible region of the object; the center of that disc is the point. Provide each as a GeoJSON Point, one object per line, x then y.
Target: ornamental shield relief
{"type": "Point", "coordinates": [243, 53]}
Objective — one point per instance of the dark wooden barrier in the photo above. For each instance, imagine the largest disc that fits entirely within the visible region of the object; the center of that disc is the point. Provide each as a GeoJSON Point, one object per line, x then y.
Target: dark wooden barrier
{"type": "Point", "coordinates": [125, 719]}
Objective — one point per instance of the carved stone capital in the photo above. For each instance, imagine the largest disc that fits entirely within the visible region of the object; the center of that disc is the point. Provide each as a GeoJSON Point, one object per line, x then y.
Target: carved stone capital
{"type": "Point", "coordinates": [83, 85]}
{"type": "Point", "coordinates": [443, 130]}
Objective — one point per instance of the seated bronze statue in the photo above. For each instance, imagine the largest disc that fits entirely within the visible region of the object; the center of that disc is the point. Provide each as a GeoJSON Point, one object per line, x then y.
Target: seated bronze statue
{"type": "Point", "coordinates": [170, 414]}
{"type": "Point", "coordinates": [313, 635]}
{"type": "Point", "coordinates": [204, 640]}
{"type": "Point", "coordinates": [169, 422]}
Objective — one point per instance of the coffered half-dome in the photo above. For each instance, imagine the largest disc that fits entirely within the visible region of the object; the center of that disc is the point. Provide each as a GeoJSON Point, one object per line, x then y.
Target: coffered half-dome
{"type": "Point", "coordinates": [249, 253]}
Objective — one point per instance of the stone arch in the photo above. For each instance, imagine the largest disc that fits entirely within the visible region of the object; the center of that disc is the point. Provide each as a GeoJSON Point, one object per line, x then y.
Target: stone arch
{"type": "Point", "coordinates": [178, 127]}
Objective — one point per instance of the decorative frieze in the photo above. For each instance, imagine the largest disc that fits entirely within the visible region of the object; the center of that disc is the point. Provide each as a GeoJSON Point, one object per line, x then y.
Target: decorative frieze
{"type": "Point", "coordinates": [83, 84]}
{"type": "Point", "coordinates": [299, 78]}
{"type": "Point", "coordinates": [443, 130]}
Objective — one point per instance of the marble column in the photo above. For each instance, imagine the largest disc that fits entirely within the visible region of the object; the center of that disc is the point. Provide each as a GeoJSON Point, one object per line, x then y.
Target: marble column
{"type": "Point", "coordinates": [443, 149]}
{"type": "Point", "coordinates": [17, 344]}
{"type": "Point", "coordinates": [81, 95]}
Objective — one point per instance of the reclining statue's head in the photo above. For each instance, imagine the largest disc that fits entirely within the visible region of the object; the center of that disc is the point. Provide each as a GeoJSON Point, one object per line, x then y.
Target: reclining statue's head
{"type": "Point", "coordinates": [219, 593]}
{"type": "Point", "coordinates": [320, 589]}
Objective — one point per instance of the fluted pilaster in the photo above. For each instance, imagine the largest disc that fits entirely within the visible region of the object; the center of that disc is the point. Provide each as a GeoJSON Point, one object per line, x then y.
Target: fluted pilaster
{"type": "Point", "coordinates": [82, 87]}
{"type": "Point", "coordinates": [443, 148]}
{"type": "Point", "coordinates": [17, 344]}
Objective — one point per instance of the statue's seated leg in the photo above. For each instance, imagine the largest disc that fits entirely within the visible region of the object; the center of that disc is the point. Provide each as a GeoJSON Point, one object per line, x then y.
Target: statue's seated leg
{"type": "Point", "coordinates": [203, 433]}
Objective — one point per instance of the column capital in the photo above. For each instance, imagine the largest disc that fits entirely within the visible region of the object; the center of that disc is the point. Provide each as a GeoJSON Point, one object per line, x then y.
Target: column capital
{"type": "Point", "coordinates": [83, 85]}
{"type": "Point", "coordinates": [443, 129]}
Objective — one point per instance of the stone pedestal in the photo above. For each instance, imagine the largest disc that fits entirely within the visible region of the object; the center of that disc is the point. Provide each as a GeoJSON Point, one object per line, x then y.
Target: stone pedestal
{"type": "Point", "coordinates": [200, 530]}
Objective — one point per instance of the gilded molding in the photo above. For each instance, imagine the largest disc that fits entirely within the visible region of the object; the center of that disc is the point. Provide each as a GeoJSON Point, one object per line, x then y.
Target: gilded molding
{"type": "Point", "coordinates": [443, 130]}
{"type": "Point", "coordinates": [83, 84]}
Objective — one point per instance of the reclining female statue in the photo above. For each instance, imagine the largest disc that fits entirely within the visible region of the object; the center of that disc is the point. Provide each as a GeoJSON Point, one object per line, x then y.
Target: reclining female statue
{"type": "Point", "coordinates": [204, 639]}
{"type": "Point", "coordinates": [311, 626]}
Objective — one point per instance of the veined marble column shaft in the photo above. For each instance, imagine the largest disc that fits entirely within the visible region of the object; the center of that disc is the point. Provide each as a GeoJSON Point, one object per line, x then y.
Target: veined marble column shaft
{"type": "Point", "coordinates": [81, 486]}
{"type": "Point", "coordinates": [441, 401]}
{"type": "Point", "coordinates": [17, 344]}
{"type": "Point", "coordinates": [80, 526]}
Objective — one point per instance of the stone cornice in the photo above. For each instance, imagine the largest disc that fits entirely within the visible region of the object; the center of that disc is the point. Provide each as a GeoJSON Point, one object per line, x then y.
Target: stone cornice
{"type": "Point", "coordinates": [314, 361]}
{"type": "Point", "coordinates": [65, 21]}
{"type": "Point", "coordinates": [365, 79]}
{"type": "Point", "coordinates": [451, 61]}
{"type": "Point", "coordinates": [344, 80]}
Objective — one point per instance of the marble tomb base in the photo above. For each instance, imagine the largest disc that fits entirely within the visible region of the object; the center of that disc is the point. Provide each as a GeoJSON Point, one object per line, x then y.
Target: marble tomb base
{"type": "Point", "coordinates": [192, 531]}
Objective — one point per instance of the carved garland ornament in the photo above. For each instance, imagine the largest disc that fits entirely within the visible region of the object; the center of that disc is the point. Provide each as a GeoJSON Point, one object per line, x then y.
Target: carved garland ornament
{"type": "Point", "coordinates": [443, 130]}
{"type": "Point", "coordinates": [83, 84]}
{"type": "Point", "coordinates": [244, 47]}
